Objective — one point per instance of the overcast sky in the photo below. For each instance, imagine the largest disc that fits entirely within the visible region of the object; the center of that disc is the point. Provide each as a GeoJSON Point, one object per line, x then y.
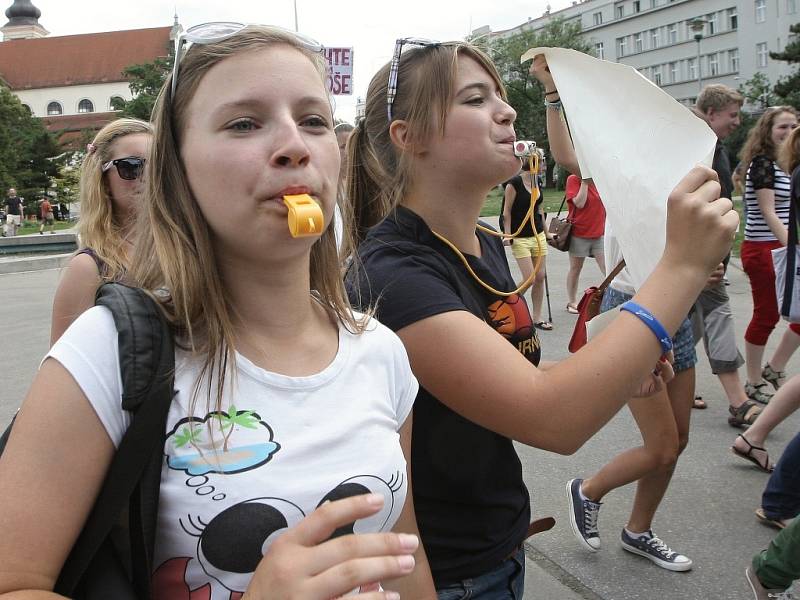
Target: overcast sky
{"type": "Point", "coordinates": [370, 28]}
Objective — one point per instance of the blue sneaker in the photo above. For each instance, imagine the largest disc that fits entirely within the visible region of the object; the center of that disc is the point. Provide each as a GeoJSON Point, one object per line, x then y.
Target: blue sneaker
{"type": "Point", "coordinates": [583, 516]}
{"type": "Point", "coordinates": [650, 546]}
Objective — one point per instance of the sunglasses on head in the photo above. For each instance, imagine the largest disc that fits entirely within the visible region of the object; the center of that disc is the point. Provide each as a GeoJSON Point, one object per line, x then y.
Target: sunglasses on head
{"type": "Point", "coordinates": [128, 168]}
{"type": "Point", "coordinates": [209, 33]}
{"type": "Point", "coordinates": [391, 90]}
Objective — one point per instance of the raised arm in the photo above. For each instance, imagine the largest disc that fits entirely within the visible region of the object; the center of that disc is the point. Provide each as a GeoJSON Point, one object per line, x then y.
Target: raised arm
{"type": "Point", "coordinates": [557, 132]}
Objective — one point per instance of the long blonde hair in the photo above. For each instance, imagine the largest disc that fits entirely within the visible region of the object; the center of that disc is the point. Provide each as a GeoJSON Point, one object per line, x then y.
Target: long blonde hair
{"type": "Point", "coordinates": [99, 228]}
{"type": "Point", "coordinates": [379, 172]}
{"type": "Point", "coordinates": [759, 140]}
{"type": "Point", "coordinates": [174, 249]}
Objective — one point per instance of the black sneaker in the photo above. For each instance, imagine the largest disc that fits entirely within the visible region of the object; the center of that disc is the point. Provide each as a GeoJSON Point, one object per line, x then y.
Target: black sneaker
{"type": "Point", "coordinates": [583, 516]}
{"type": "Point", "coordinates": [656, 550]}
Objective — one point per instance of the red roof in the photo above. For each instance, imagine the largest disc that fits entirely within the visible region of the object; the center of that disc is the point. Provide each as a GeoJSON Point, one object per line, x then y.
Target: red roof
{"type": "Point", "coordinates": [79, 59]}
{"type": "Point", "coordinates": [69, 129]}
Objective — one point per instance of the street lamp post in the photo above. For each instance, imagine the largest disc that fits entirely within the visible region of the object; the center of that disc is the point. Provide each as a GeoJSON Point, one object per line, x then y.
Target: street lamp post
{"type": "Point", "coordinates": [697, 26]}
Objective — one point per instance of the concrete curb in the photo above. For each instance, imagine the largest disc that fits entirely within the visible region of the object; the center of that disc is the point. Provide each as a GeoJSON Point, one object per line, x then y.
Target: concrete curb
{"type": "Point", "coordinates": [34, 263]}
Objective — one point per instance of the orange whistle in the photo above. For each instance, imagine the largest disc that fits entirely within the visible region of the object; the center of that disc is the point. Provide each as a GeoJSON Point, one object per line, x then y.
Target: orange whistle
{"type": "Point", "coordinates": [305, 215]}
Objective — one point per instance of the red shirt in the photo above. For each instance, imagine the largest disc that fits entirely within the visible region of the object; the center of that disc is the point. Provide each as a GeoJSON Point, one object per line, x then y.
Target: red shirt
{"type": "Point", "coordinates": [589, 221]}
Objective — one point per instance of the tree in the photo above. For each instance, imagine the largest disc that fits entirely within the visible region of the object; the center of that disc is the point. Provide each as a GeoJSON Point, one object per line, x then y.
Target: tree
{"type": "Point", "coordinates": [757, 90]}
{"type": "Point", "coordinates": [524, 92]}
{"type": "Point", "coordinates": [29, 154]}
{"type": "Point", "coordinates": [145, 81]}
{"type": "Point", "coordinates": [787, 89]}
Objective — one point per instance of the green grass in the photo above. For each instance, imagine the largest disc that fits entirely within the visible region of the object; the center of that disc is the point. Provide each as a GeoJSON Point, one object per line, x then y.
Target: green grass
{"type": "Point", "coordinates": [491, 208]}
{"type": "Point", "coordinates": [552, 200]}
{"type": "Point", "coordinates": [28, 227]}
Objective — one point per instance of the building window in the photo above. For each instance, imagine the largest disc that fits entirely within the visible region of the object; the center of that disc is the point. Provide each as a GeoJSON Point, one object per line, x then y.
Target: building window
{"type": "Point", "coordinates": [761, 11]}
{"type": "Point", "coordinates": [672, 33]}
{"type": "Point", "coordinates": [654, 35]}
{"type": "Point", "coordinates": [598, 18]}
{"type": "Point", "coordinates": [713, 64]}
{"type": "Point", "coordinates": [791, 7]}
{"type": "Point", "coordinates": [85, 106]}
{"type": "Point", "coordinates": [761, 55]}
{"type": "Point", "coordinates": [599, 52]}
{"type": "Point", "coordinates": [622, 45]}
{"type": "Point", "coordinates": [673, 72]}
{"type": "Point", "coordinates": [638, 41]}
{"type": "Point", "coordinates": [619, 11]}
{"type": "Point", "coordinates": [692, 64]}
{"type": "Point", "coordinates": [54, 108]}
{"type": "Point", "coordinates": [733, 19]}
{"type": "Point", "coordinates": [657, 75]}
{"type": "Point", "coordinates": [636, 6]}
{"type": "Point", "coordinates": [733, 60]}
{"type": "Point", "coordinates": [711, 21]}
{"type": "Point", "coordinates": [27, 108]}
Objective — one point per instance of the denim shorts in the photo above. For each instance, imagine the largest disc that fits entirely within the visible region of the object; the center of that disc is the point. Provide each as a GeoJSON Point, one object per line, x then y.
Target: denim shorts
{"type": "Point", "coordinates": [504, 582]}
{"type": "Point", "coordinates": [682, 343]}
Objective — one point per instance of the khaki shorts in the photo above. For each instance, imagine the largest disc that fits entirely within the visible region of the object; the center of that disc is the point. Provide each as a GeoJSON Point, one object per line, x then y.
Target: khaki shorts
{"type": "Point", "coordinates": [524, 247]}
{"type": "Point", "coordinates": [13, 220]}
{"type": "Point", "coordinates": [585, 247]}
{"type": "Point", "coordinates": [49, 219]}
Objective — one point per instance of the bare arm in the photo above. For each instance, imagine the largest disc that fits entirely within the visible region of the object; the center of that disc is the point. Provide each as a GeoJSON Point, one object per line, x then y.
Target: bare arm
{"type": "Point", "coordinates": [50, 474]}
{"type": "Point", "coordinates": [510, 196]}
{"type": "Point", "coordinates": [583, 193]}
{"type": "Point", "coordinates": [485, 379]}
{"type": "Point", "coordinates": [75, 294]}
{"type": "Point", "coordinates": [419, 584]}
{"type": "Point", "coordinates": [557, 133]}
{"type": "Point", "coordinates": [766, 203]}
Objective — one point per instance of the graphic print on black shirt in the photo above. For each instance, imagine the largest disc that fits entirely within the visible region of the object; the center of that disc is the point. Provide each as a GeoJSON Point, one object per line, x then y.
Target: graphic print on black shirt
{"type": "Point", "coordinates": [472, 506]}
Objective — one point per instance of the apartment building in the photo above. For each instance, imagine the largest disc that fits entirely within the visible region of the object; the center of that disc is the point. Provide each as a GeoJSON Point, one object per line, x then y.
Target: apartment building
{"type": "Point", "coordinates": [682, 45]}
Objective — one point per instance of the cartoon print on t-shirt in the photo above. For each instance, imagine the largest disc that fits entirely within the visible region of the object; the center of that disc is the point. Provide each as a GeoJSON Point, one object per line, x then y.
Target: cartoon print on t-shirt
{"type": "Point", "coordinates": [231, 545]}
{"type": "Point", "coordinates": [221, 442]}
{"type": "Point", "coordinates": [511, 318]}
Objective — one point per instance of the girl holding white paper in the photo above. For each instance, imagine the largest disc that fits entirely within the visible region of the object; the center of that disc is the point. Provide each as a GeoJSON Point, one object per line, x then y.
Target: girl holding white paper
{"type": "Point", "coordinates": [663, 419]}
{"type": "Point", "coordinates": [432, 144]}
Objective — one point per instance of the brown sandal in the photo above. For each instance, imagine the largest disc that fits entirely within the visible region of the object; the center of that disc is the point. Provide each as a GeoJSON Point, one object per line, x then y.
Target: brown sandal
{"type": "Point", "coordinates": [744, 415]}
{"type": "Point", "coordinates": [766, 466]}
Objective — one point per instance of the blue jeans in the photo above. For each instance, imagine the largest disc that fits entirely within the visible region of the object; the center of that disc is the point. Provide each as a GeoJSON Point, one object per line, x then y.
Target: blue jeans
{"type": "Point", "coordinates": [504, 582]}
{"type": "Point", "coordinates": [781, 498]}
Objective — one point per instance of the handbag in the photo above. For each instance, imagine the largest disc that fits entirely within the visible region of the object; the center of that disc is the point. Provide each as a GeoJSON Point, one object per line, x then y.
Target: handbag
{"type": "Point", "coordinates": [560, 230]}
{"type": "Point", "coordinates": [787, 279]}
{"type": "Point", "coordinates": [589, 307]}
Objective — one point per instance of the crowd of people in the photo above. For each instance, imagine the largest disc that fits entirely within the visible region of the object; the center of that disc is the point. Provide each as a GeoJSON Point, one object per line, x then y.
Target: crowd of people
{"type": "Point", "coordinates": [400, 314]}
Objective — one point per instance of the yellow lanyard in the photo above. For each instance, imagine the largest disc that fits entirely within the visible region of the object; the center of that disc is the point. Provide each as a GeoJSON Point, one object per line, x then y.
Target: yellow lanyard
{"type": "Point", "coordinates": [533, 165]}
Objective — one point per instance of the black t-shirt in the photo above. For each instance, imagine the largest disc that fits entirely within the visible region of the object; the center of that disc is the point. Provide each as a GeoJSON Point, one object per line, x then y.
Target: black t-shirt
{"type": "Point", "coordinates": [722, 165]}
{"type": "Point", "coordinates": [522, 202]}
{"type": "Point", "coordinates": [14, 205]}
{"type": "Point", "coordinates": [472, 505]}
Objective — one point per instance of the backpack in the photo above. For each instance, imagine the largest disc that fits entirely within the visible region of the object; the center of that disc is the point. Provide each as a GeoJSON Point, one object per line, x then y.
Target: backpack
{"type": "Point", "coordinates": [108, 561]}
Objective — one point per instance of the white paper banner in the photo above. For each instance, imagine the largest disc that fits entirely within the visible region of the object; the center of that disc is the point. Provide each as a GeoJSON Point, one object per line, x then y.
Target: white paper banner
{"type": "Point", "coordinates": [634, 141]}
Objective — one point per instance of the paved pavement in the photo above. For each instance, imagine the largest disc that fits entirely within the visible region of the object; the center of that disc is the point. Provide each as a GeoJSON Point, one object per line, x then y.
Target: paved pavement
{"type": "Point", "coordinates": [707, 514]}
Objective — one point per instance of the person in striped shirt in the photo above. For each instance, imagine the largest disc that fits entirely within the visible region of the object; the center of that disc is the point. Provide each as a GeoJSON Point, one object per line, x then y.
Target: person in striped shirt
{"type": "Point", "coordinates": [766, 216]}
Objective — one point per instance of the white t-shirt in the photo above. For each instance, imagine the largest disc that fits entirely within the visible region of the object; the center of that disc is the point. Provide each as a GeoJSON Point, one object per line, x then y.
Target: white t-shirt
{"type": "Point", "coordinates": [292, 443]}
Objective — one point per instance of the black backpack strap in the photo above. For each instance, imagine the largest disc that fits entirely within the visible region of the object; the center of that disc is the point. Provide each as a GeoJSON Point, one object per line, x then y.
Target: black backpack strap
{"type": "Point", "coordinates": [147, 364]}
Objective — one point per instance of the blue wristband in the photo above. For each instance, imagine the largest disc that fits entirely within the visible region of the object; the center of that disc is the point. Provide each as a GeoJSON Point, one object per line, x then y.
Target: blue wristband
{"type": "Point", "coordinates": [646, 317]}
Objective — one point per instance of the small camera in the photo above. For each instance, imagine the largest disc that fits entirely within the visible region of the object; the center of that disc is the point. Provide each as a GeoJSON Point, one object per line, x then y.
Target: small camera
{"type": "Point", "coordinates": [524, 148]}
